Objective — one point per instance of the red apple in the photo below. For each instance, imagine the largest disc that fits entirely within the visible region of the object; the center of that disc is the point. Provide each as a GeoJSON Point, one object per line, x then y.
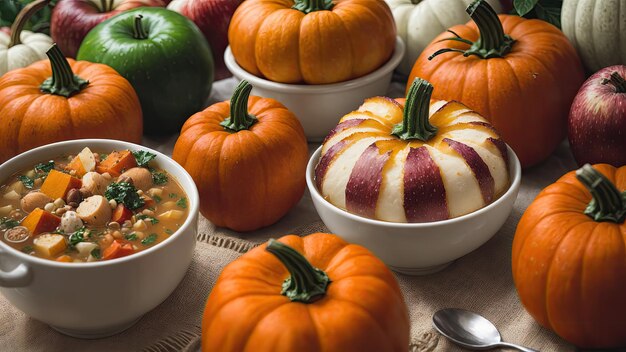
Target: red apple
{"type": "Point", "coordinates": [73, 19]}
{"type": "Point", "coordinates": [597, 119]}
{"type": "Point", "coordinates": [213, 18]}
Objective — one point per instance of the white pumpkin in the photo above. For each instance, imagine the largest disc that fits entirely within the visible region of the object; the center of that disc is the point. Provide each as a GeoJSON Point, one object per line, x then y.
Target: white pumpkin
{"type": "Point", "coordinates": [29, 48]}
{"type": "Point", "coordinates": [420, 21]}
{"type": "Point", "coordinates": [597, 28]}
{"type": "Point", "coordinates": [442, 160]}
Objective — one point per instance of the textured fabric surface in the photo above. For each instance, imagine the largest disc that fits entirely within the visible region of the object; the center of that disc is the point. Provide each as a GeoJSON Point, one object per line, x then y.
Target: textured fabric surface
{"type": "Point", "coordinates": [480, 281]}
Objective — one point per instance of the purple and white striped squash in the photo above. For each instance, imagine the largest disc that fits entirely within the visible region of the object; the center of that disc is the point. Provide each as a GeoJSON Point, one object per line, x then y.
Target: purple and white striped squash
{"type": "Point", "coordinates": [428, 161]}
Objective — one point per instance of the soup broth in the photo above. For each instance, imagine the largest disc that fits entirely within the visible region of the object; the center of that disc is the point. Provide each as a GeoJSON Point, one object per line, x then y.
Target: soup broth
{"type": "Point", "coordinates": [91, 206]}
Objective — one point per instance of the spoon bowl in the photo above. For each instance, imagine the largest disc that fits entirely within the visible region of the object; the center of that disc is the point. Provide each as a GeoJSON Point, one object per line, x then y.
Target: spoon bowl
{"type": "Point", "coordinates": [470, 330]}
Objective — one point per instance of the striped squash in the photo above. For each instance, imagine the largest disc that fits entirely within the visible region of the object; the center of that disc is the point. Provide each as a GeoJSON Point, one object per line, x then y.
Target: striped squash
{"type": "Point", "coordinates": [418, 161]}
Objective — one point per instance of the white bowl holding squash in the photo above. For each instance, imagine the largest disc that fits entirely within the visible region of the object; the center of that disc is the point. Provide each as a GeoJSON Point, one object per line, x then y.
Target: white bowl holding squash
{"type": "Point", "coordinates": [88, 243]}
{"type": "Point", "coordinates": [419, 182]}
{"type": "Point", "coordinates": [318, 106]}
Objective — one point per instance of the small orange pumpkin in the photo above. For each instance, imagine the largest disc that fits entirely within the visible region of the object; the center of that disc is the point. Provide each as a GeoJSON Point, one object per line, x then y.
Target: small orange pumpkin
{"type": "Point", "coordinates": [569, 257]}
{"type": "Point", "coordinates": [312, 41]}
{"type": "Point", "coordinates": [63, 99]}
{"type": "Point", "coordinates": [248, 159]}
{"type": "Point", "coordinates": [335, 297]}
{"type": "Point", "coordinates": [522, 75]}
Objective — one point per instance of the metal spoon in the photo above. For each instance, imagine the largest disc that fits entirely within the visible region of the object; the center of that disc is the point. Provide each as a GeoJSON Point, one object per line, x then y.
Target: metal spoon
{"type": "Point", "coordinates": [470, 330]}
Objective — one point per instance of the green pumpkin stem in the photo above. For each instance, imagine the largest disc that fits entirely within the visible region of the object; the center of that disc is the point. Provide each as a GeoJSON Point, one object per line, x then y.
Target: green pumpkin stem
{"type": "Point", "coordinates": [305, 283]}
{"type": "Point", "coordinates": [63, 81]}
{"type": "Point", "coordinates": [492, 41]}
{"type": "Point", "coordinates": [607, 202]}
{"type": "Point", "coordinates": [239, 118]}
{"type": "Point", "coordinates": [616, 81]}
{"type": "Point", "coordinates": [308, 6]}
{"type": "Point", "coordinates": [22, 18]}
{"type": "Point", "coordinates": [415, 120]}
{"type": "Point", "coordinates": [138, 31]}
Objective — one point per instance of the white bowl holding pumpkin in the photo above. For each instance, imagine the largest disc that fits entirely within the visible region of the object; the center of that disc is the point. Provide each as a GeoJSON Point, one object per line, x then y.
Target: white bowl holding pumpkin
{"type": "Point", "coordinates": [319, 106]}
{"type": "Point", "coordinates": [100, 298]}
{"type": "Point", "coordinates": [434, 190]}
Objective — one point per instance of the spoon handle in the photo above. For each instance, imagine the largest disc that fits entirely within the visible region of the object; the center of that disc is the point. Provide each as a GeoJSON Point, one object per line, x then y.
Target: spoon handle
{"type": "Point", "coordinates": [514, 346]}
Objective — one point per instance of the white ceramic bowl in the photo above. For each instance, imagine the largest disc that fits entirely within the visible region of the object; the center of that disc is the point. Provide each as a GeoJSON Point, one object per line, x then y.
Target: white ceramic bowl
{"type": "Point", "coordinates": [91, 300]}
{"type": "Point", "coordinates": [418, 248]}
{"type": "Point", "coordinates": [319, 107]}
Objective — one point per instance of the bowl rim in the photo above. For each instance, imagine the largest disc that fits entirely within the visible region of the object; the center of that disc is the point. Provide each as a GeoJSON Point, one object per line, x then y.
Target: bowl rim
{"type": "Point", "coordinates": [263, 83]}
{"type": "Point", "coordinates": [514, 165]}
{"type": "Point", "coordinates": [186, 183]}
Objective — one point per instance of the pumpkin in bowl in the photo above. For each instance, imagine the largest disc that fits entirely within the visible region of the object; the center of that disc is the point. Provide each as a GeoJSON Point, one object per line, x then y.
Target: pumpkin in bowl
{"type": "Point", "coordinates": [522, 75]}
{"type": "Point", "coordinates": [335, 296]}
{"type": "Point", "coordinates": [63, 99]}
{"type": "Point", "coordinates": [569, 257]}
{"type": "Point", "coordinates": [312, 41]}
{"type": "Point", "coordinates": [418, 162]}
{"type": "Point", "coordinates": [248, 158]}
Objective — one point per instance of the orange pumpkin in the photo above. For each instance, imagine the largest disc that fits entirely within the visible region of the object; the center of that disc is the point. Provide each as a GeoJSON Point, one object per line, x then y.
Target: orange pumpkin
{"type": "Point", "coordinates": [312, 41]}
{"type": "Point", "coordinates": [335, 297]}
{"type": "Point", "coordinates": [248, 159]}
{"type": "Point", "coordinates": [63, 99]}
{"type": "Point", "coordinates": [569, 257]}
{"type": "Point", "coordinates": [522, 75]}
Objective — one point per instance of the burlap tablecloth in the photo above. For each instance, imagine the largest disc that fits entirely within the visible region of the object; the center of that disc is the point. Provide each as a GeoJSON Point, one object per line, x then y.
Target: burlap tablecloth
{"type": "Point", "coordinates": [481, 281]}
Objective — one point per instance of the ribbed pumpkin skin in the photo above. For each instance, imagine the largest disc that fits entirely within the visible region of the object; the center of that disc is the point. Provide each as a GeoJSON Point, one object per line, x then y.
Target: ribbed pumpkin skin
{"type": "Point", "coordinates": [363, 309]}
{"type": "Point", "coordinates": [526, 95]}
{"type": "Point", "coordinates": [271, 40]}
{"type": "Point", "coordinates": [249, 179]}
{"type": "Point", "coordinates": [596, 29]}
{"type": "Point", "coordinates": [569, 270]}
{"type": "Point", "coordinates": [460, 169]}
{"type": "Point", "coordinates": [107, 108]}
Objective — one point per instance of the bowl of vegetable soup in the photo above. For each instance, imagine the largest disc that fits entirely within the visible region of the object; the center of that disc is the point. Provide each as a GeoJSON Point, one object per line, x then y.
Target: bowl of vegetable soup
{"type": "Point", "coordinates": [94, 233]}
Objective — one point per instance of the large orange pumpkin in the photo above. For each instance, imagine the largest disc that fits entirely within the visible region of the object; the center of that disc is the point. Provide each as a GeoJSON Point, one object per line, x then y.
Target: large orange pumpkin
{"type": "Point", "coordinates": [248, 159]}
{"type": "Point", "coordinates": [63, 99]}
{"type": "Point", "coordinates": [522, 75]}
{"type": "Point", "coordinates": [335, 297]}
{"type": "Point", "coordinates": [569, 257]}
{"type": "Point", "coordinates": [312, 41]}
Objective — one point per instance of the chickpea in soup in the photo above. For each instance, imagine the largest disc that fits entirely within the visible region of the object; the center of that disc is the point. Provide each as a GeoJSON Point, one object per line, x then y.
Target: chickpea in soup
{"type": "Point", "coordinates": [91, 206]}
